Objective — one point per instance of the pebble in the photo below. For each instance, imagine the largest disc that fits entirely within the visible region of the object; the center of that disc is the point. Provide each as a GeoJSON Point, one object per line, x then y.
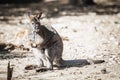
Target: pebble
{"type": "Point", "coordinates": [104, 71]}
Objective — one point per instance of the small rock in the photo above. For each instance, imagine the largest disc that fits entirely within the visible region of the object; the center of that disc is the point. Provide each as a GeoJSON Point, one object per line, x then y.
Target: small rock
{"type": "Point", "coordinates": [30, 67]}
{"type": "Point", "coordinates": [104, 71]}
{"type": "Point", "coordinates": [80, 72]}
{"type": "Point", "coordinates": [26, 71]}
{"type": "Point", "coordinates": [61, 74]}
{"type": "Point", "coordinates": [116, 22]}
{"type": "Point", "coordinates": [99, 79]}
{"type": "Point", "coordinates": [95, 66]}
{"type": "Point", "coordinates": [74, 30]}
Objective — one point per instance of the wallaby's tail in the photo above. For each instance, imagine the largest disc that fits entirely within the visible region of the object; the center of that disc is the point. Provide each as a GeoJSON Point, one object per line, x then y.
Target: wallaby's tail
{"type": "Point", "coordinates": [95, 61]}
{"type": "Point", "coordinates": [81, 62]}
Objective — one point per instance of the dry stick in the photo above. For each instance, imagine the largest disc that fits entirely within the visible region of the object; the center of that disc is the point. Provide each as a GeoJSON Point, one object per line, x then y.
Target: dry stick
{"type": "Point", "coordinates": [9, 71]}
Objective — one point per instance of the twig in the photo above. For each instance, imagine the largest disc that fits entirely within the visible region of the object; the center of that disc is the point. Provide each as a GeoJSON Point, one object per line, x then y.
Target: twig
{"type": "Point", "coordinates": [9, 71]}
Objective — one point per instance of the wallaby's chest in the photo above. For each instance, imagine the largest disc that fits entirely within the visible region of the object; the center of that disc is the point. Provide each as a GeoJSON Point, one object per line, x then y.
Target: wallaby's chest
{"type": "Point", "coordinates": [36, 38]}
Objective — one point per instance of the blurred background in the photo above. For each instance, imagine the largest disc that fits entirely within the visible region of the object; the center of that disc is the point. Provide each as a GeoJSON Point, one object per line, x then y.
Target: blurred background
{"type": "Point", "coordinates": [90, 29]}
{"type": "Point", "coordinates": [74, 2]}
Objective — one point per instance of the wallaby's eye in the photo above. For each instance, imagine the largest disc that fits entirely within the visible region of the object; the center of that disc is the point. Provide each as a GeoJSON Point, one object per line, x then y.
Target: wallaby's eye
{"type": "Point", "coordinates": [32, 23]}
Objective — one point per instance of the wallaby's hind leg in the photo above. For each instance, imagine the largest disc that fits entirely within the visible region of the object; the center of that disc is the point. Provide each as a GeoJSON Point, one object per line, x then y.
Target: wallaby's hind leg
{"type": "Point", "coordinates": [38, 55]}
{"type": "Point", "coordinates": [49, 63]}
{"type": "Point", "coordinates": [58, 54]}
{"type": "Point", "coordinates": [58, 62]}
{"type": "Point", "coordinates": [49, 58]}
{"type": "Point", "coordinates": [55, 54]}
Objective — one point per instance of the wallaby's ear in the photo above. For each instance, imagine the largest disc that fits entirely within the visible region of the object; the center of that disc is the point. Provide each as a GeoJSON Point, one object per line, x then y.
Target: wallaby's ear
{"type": "Point", "coordinates": [30, 16]}
{"type": "Point", "coordinates": [39, 15]}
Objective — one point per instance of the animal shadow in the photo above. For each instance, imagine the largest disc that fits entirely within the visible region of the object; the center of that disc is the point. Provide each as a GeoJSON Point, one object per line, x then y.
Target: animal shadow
{"type": "Point", "coordinates": [80, 63]}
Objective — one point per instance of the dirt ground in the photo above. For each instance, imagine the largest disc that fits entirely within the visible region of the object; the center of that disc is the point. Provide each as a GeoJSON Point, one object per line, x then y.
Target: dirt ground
{"type": "Point", "coordinates": [88, 32]}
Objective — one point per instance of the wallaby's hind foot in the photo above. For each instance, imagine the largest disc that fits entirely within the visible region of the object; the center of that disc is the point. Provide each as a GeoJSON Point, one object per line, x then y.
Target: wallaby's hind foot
{"type": "Point", "coordinates": [42, 69]}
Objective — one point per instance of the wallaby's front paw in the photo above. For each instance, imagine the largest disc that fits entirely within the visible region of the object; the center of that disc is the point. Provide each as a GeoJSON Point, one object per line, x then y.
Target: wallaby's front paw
{"type": "Point", "coordinates": [33, 45]}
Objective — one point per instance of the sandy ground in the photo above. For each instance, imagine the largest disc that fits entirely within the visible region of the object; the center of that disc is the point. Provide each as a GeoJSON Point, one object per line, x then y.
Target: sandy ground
{"type": "Point", "coordinates": [87, 34]}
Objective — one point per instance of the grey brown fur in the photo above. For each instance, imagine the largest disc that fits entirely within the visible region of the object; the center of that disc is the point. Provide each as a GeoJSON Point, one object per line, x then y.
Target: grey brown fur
{"type": "Point", "coordinates": [49, 47]}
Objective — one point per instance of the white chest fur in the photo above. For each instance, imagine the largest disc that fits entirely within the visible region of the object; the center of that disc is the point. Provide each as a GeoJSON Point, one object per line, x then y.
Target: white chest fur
{"type": "Point", "coordinates": [36, 39]}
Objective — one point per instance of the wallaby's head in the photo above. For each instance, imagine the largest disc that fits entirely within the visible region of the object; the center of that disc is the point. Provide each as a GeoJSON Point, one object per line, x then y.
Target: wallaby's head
{"type": "Point", "coordinates": [34, 21]}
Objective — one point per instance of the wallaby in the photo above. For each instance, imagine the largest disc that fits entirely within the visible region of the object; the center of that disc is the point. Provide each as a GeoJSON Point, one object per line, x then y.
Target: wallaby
{"type": "Point", "coordinates": [47, 45]}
